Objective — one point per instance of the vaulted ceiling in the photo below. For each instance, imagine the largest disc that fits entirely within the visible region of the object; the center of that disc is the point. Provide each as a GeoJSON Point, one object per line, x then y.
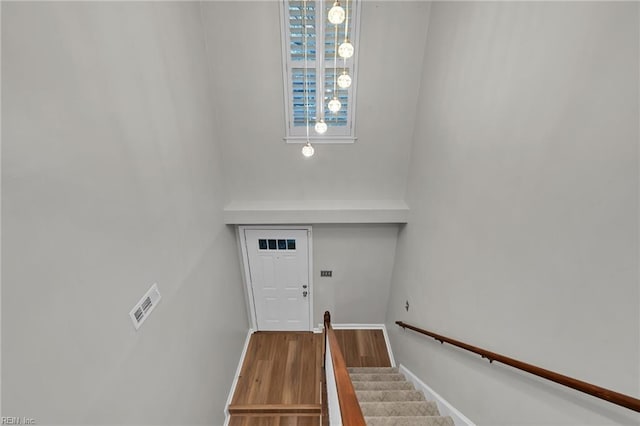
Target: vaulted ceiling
{"type": "Point", "coordinates": [243, 41]}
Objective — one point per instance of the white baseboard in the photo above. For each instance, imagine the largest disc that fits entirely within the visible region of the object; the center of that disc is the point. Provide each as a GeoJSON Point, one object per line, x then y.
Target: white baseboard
{"type": "Point", "coordinates": [235, 377]}
{"type": "Point", "coordinates": [386, 340]}
{"type": "Point", "coordinates": [445, 408]}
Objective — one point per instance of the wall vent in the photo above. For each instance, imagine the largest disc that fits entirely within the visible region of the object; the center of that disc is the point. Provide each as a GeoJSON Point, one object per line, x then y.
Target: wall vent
{"type": "Point", "coordinates": [143, 308]}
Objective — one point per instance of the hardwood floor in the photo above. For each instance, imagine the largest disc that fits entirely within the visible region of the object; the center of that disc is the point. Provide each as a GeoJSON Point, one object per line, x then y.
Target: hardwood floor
{"type": "Point", "coordinates": [363, 348]}
{"type": "Point", "coordinates": [281, 368]}
{"type": "Point", "coordinates": [274, 421]}
{"type": "Point", "coordinates": [281, 379]}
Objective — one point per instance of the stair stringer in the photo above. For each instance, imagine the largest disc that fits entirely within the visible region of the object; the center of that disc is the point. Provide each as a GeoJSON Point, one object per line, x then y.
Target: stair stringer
{"type": "Point", "coordinates": [236, 376]}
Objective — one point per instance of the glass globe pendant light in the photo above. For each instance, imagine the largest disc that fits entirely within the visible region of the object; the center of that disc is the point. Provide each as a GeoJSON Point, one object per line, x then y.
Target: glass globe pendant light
{"type": "Point", "coordinates": [321, 127]}
{"type": "Point", "coordinates": [307, 150]}
{"type": "Point", "coordinates": [345, 50]}
{"type": "Point", "coordinates": [344, 81]}
{"type": "Point", "coordinates": [334, 105]}
{"type": "Point", "coordinates": [336, 14]}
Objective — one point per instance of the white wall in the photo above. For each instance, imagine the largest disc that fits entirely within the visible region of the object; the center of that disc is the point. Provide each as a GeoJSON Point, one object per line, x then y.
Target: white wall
{"type": "Point", "coordinates": [261, 167]}
{"type": "Point", "coordinates": [361, 258]}
{"type": "Point", "coordinates": [247, 66]}
{"type": "Point", "coordinates": [111, 180]}
{"type": "Point", "coordinates": [523, 189]}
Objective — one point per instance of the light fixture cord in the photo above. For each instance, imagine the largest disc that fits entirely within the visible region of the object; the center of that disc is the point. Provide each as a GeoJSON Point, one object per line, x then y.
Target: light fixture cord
{"type": "Point", "coordinates": [346, 20]}
{"type": "Point", "coordinates": [306, 88]}
{"type": "Point", "coordinates": [319, 90]}
{"type": "Point", "coordinates": [335, 67]}
{"type": "Point", "coordinates": [346, 31]}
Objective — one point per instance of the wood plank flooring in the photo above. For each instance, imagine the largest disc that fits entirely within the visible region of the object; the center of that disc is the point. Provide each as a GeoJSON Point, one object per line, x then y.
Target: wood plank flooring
{"type": "Point", "coordinates": [363, 348]}
{"type": "Point", "coordinates": [281, 379]}
{"type": "Point", "coordinates": [274, 421]}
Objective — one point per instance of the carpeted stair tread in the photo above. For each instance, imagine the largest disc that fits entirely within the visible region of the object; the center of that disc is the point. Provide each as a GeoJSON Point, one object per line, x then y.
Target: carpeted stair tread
{"type": "Point", "coordinates": [383, 385]}
{"type": "Point", "coordinates": [397, 408]}
{"type": "Point", "coordinates": [388, 399]}
{"type": "Point", "coordinates": [395, 377]}
{"type": "Point", "coordinates": [373, 370]}
{"type": "Point", "coordinates": [389, 395]}
{"type": "Point", "coordinates": [409, 421]}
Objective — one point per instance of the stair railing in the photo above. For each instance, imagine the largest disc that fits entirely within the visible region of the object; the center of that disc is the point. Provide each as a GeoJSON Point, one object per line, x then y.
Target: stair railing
{"type": "Point", "coordinates": [588, 388]}
{"type": "Point", "coordinates": [344, 408]}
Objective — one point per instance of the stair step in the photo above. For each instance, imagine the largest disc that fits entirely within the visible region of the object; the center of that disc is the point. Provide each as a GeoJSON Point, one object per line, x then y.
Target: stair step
{"type": "Point", "coordinates": [279, 409]}
{"type": "Point", "coordinates": [389, 395]}
{"type": "Point", "coordinates": [406, 408]}
{"type": "Point", "coordinates": [367, 386]}
{"type": "Point", "coordinates": [373, 370]}
{"type": "Point", "coordinates": [356, 377]}
{"type": "Point", "coordinates": [409, 421]}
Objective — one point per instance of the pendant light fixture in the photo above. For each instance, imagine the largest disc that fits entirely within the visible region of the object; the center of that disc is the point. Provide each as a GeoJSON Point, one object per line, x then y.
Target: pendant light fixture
{"type": "Point", "coordinates": [321, 127]}
{"type": "Point", "coordinates": [344, 81]}
{"type": "Point", "coordinates": [334, 104]}
{"type": "Point", "coordinates": [345, 50]}
{"type": "Point", "coordinates": [307, 149]}
{"type": "Point", "coordinates": [336, 14]}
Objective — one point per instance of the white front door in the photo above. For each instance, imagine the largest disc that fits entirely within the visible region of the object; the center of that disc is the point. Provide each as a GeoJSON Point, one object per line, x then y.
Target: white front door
{"type": "Point", "coordinates": [279, 276]}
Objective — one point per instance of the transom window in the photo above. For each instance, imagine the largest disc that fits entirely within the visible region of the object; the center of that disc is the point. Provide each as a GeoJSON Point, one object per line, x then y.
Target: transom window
{"type": "Point", "coordinates": [312, 72]}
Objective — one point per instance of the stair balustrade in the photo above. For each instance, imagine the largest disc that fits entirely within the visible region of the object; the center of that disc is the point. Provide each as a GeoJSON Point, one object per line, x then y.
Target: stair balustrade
{"type": "Point", "coordinates": [350, 413]}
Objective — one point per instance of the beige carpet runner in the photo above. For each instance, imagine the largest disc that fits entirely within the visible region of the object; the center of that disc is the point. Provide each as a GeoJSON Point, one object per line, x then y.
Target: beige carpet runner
{"type": "Point", "coordinates": [387, 398]}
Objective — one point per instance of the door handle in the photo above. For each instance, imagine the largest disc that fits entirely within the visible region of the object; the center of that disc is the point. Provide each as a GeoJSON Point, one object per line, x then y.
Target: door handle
{"type": "Point", "coordinates": [304, 293]}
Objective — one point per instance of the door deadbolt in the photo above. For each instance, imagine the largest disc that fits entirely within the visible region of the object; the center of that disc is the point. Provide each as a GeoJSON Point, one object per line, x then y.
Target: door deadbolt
{"type": "Point", "coordinates": [304, 286]}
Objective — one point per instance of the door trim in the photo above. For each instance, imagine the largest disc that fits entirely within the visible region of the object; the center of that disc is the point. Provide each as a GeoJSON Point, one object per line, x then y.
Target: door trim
{"type": "Point", "coordinates": [246, 276]}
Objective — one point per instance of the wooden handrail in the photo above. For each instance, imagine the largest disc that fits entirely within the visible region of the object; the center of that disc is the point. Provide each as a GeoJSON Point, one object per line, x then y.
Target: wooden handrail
{"type": "Point", "coordinates": [588, 388]}
{"type": "Point", "coordinates": [349, 407]}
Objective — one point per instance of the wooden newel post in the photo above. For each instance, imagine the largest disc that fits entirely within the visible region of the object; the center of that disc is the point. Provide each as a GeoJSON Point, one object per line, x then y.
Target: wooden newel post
{"type": "Point", "coordinates": [327, 320]}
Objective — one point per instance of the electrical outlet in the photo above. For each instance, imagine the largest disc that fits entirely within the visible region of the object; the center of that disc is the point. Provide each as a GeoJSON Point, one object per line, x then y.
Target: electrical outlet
{"type": "Point", "coordinates": [326, 273]}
